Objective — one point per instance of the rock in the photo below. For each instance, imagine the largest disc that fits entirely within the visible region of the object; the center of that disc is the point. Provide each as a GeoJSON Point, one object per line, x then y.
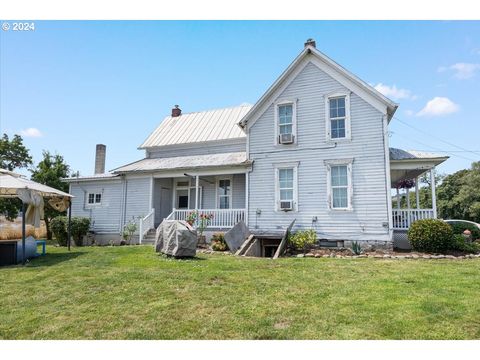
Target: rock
{"type": "Point", "coordinates": [300, 255]}
{"type": "Point", "coordinates": [318, 255]}
{"type": "Point", "coordinates": [378, 256]}
{"type": "Point", "coordinates": [408, 256]}
{"type": "Point", "coordinates": [325, 256]}
{"type": "Point", "coordinates": [386, 256]}
{"type": "Point", "coordinates": [362, 256]}
{"type": "Point", "coordinates": [450, 257]}
{"type": "Point", "coordinates": [415, 256]}
{"type": "Point", "coordinates": [400, 257]}
{"type": "Point", "coordinates": [426, 257]}
{"type": "Point", "coordinates": [310, 255]}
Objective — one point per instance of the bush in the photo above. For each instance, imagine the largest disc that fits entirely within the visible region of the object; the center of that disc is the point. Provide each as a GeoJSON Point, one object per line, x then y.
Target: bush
{"type": "Point", "coordinates": [302, 240]}
{"type": "Point", "coordinates": [459, 244]}
{"type": "Point", "coordinates": [79, 228]}
{"type": "Point", "coordinates": [460, 227]}
{"type": "Point", "coordinates": [218, 242]}
{"type": "Point", "coordinates": [59, 229]}
{"type": "Point", "coordinates": [431, 235]}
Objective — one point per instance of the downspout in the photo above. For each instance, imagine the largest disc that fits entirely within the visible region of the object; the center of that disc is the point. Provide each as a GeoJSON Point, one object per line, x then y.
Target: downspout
{"type": "Point", "coordinates": [388, 180]}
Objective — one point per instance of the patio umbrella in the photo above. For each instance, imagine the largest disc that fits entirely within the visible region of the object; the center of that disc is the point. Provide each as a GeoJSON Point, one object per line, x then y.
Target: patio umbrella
{"type": "Point", "coordinates": [31, 193]}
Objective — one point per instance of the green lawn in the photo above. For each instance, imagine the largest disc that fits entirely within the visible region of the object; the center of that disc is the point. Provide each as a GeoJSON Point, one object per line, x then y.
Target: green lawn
{"type": "Point", "coordinates": [133, 293]}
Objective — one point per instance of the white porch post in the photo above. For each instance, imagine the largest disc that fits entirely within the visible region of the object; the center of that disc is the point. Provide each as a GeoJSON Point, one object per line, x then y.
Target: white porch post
{"type": "Point", "coordinates": [197, 180]}
{"type": "Point", "coordinates": [398, 199]}
{"type": "Point", "coordinates": [408, 198]}
{"type": "Point", "coordinates": [417, 195]}
{"type": "Point", "coordinates": [434, 195]}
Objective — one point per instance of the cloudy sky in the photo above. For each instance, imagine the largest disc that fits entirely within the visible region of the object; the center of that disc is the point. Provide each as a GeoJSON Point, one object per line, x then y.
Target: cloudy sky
{"type": "Point", "coordinates": [69, 85]}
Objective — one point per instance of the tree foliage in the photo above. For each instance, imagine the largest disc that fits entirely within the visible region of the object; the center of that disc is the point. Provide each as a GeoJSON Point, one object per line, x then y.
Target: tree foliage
{"type": "Point", "coordinates": [13, 155]}
{"type": "Point", "coordinates": [458, 197]}
{"type": "Point", "coordinates": [50, 172]}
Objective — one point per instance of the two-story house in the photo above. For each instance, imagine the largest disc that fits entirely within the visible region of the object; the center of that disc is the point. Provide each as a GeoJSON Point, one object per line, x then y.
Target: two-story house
{"type": "Point", "coordinates": [314, 149]}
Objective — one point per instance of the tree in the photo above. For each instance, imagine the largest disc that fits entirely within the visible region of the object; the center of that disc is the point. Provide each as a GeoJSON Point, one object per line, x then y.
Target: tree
{"type": "Point", "coordinates": [50, 172]}
{"type": "Point", "coordinates": [13, 155]}
{"type": "Point", "coordinates": [458, 195]}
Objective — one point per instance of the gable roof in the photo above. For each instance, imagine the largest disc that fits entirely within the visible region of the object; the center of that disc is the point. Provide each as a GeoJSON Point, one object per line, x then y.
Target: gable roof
{"type": "Point", "coordinates": [196, 127]}
{"type": "Point", "coordinates": [348, 79]}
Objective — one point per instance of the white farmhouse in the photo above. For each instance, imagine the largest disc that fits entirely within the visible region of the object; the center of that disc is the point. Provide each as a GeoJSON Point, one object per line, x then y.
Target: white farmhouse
{"type": "Point", "coordinates": [314, 149]}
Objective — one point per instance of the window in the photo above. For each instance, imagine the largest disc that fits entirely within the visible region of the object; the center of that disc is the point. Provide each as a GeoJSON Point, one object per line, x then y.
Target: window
{"type": "Point", "coordinates": [340, 185]}
{"type": "Point", "coordinates": [224, 191]}
{"type": "Point", "coordinates": [94, 198]}
{"type": "Point", "coordinates": [285, 120]}
{"type": "Point", "coordinates": [286, 187]}
{"type": "Point", "coordinates": [338, 116]}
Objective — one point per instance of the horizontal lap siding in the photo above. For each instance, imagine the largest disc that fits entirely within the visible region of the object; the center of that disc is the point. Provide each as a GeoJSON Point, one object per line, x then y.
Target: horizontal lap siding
{"type": "Point", "coordinates": [105, 218]}
{"type": "Point", "coordinates": [138, 198]}
{"type": "Point", "coordinates": [200, 149]}
{"type": "Point", "coordinates": [370, 212]}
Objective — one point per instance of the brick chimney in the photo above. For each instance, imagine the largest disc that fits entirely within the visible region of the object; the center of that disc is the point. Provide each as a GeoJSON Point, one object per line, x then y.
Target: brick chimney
{"type": "Point", "coordinates": [100, 153]}
{"type": "Point", "coordinates": [176, 111]}
{"type": "Point", "coordinates": [310, 42]}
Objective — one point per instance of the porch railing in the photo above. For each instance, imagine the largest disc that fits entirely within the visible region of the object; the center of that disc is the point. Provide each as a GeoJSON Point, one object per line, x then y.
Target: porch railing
{"type": "Point", "coordinates": [145, 224]}
{"type": "Point", "coordinates": [403, 218]}
{"type": "Point", "coordinates": [221, 218]}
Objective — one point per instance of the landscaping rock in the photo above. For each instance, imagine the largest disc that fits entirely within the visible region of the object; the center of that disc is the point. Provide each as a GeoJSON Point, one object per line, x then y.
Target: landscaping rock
{"type": "Point", "coordinates": [300, 255]}
{"type": "Point", "coordinates": [426, 257]}
{"type": "Point", "coordinates": [450, 257]}
{"type": "Point", "coordinates": [386, 256]}
{"type": "Point", "coordinates": [378, 256]}
{"type": "Point", "coordinates": [325, 256]}
{"type": "Point", "coordinates": [362, 256]}
{"type": "Point", "coordinates": [415, 256]}
{"type": "Point", "coordinates": [318, 255]}
{"type": "Point", "coordinates": [310, 255]}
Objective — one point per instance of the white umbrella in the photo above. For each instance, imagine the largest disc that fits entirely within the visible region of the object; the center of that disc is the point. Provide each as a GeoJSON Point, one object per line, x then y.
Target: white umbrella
{"type": "Point", "coordinates": [32, 193]}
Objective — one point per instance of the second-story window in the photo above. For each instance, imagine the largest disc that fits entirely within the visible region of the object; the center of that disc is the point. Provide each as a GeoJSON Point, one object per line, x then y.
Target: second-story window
{"type": "Point", "coordinates": [338, 117]}
{"type": "Point", "coordinates": [286, 127]}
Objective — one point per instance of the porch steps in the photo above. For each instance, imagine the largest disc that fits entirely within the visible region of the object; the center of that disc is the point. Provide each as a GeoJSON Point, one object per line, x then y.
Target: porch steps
{"type": "Point", "coordinates": [149, 238]}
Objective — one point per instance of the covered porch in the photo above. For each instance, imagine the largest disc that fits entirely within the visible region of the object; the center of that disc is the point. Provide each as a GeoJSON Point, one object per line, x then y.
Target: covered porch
{"type": "Point", "coordinates": [406, 169]}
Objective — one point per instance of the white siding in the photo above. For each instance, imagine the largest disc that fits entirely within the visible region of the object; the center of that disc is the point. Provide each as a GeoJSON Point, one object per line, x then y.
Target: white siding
{"type": "Point", "coordinates": [199, 149]}
{"type": "Point", "coordinates": [366, 147]}
{"type": "Point", "coordinates": [137, 198]}
{"type": "Point", "coordinates": [105, 218]}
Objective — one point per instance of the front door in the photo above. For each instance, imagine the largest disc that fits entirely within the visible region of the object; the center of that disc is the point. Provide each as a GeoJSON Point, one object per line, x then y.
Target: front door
{"type": "Point", "coordinates": [182, 199]}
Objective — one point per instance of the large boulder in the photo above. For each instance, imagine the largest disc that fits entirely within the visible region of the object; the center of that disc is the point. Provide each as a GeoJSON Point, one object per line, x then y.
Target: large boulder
{"type": "Point", "coordinates": [176, 238]}
{"type": "Point", "coordinates": [236, 236]}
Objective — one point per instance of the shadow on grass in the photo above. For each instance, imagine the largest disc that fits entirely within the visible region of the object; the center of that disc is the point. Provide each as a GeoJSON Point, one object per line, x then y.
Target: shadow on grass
{"type": "Point", "coordinates": [53, 259]}
{"type": "Point", "coordinates": [181, 258]}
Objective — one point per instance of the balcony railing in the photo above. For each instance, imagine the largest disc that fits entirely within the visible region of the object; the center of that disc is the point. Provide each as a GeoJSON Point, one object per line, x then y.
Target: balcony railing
{"type": "Point", "coordinates": [221, 218]}
{"type": "Point", "coordinates": [403, 218]}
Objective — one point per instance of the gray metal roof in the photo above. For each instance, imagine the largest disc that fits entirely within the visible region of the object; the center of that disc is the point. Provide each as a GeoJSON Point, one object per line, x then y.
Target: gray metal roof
{"type": "Point", "coordinates": [186, 162]}
{"type": "Point", "coordinates": [211, 125]}
{"type": "Point", "coordinates": [399, 154]}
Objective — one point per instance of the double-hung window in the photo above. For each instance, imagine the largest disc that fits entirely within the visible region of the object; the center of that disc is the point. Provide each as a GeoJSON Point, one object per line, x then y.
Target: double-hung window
{"type": "Point", "coordinates": [285, 123]}
{"type": "Point", "coordinates": [286, 187]}
{"type": "Point", "coordinates": [338, 116]}
{"type": "Point", "coordinates": [94, 198]}
{"type": "Point", "coordinates": [224, 191]}
{"type": "Point", "coordinates": [340, 185]}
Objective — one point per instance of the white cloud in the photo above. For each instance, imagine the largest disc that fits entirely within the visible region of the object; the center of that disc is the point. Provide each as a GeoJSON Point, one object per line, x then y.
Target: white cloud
{"type": "Point", "coordinates": [394, 92]}
{"type": "Point", "coordinates": [461, 70]}
{"type": "Point", "coordinates": [31, 132]}
{"type": "Point", "coordinates": [439, 106]}
{"type": "Point", "coordinates": [409, 112]}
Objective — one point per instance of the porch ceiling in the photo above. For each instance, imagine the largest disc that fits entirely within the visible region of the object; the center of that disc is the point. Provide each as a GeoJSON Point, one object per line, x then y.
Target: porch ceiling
{"type": "Point", "coordinates": [408, 164]}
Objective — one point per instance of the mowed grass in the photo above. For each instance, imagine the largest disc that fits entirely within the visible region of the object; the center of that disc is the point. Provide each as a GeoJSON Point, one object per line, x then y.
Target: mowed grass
{"type": "Point", "coordinates": [133, 293]}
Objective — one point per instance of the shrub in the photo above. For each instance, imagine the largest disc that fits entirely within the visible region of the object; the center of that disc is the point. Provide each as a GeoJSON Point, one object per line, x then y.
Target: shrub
{"type": "Point", "coordinates": [79, 228]}
{"type": "Point", "coordinates": [218, 242]}
{"type": "Point", "coordinates": [431, 235]}
{"type": "Point", "coordinates": [459, 244]}
{"type": "Point", "coordinates": [59, 229]}
{"type": "Point", "coordinates": [302, 240]}
{"type": "Point", "coordinates": [356, 248]}
{"type": "Point", "coordinates": [128, 231]}
{"type": "Point", "coordinates": [460, 227]}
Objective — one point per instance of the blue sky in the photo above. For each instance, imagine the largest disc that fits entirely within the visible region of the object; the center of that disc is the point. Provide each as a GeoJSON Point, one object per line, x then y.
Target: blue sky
{"type": "Point", "coordinates": [72, 84]}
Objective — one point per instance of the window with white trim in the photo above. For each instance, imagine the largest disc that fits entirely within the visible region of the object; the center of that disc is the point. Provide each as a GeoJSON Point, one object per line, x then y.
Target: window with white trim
{"type": "Point", "coordinates": [94, 198]}
{"type": "Point", "coordinates": [285, 116]}
{"type": "Point", "coordinates": [224, 191]}
{"type": "Point", "coordinates": [286, 187]}
{"type": "Point", "coordinates": [338, 116]}
{"type": "Point", "coordinates": [340, 185]}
